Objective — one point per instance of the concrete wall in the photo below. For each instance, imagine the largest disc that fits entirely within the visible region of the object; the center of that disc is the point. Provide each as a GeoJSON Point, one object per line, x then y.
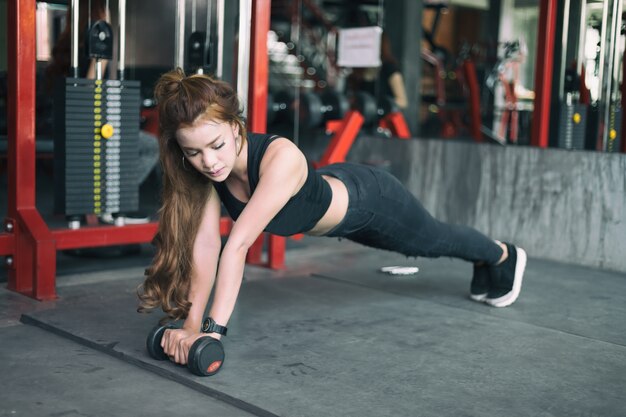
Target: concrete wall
{"type": "Point", "coordinates": [559, 205]}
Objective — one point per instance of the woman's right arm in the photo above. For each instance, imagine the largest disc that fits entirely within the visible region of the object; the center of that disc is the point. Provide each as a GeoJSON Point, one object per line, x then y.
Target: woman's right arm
{"type": "Point", "coordinates": [206, 251]}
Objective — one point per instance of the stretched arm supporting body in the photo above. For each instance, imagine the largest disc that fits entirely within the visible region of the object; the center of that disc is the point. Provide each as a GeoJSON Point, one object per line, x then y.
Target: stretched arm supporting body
{"type": "Point", "coordinates": [283, 171]}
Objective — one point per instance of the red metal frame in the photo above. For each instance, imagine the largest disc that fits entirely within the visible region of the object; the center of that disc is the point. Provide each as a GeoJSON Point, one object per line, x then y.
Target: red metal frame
{"type": "Point", "coordinates": [471, 80]}
{"type": "Point", "coordinates": [345, 132]}
{"type": "Point", "coordinates": [31, 246]}
{"type": "Point", "coordinates": [257, 117]}
{"type": "Point", "coordinates": [347, 129]}
{"type": "Point", "coordinates": [509, 121]}
{"type": "Point", "coordinates": [543, 73]}
{"type": "Point", "coordinates": [29, 243]}
{"type": "Point", "coordinates": [7, 244]}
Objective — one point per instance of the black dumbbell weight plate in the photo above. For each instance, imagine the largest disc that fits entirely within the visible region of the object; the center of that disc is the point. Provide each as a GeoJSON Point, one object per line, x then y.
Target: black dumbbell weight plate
{"type": "Point", "coordinates": [387, 105]}
{"type": "Point", "coordinates": [365, 103]}
{"type": "Point", "coordinates": [153, 342]}
{"type": "Point", "coordinates": [310, 110]}
{"type": "Point", "coordinates": [206, 356]}
{"type": "Point", "coordinates": [279, 107]}
{"type": "Point", "coordinates": [337, 103]}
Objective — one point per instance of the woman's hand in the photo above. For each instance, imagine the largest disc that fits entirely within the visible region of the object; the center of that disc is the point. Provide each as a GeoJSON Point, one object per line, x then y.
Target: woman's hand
{"type": "Point", "coordinates": [177, 342]}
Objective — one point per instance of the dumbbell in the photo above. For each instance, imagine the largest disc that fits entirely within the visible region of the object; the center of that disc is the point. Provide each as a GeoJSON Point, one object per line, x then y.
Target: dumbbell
{"type": "Point", "coordinates": [371, 110]}
{"type": "Point", "coordinates": [278, 106]}
{"type": "Point", "coordinates": [316, 109]}
{"type": "Point", "coordinates": [205, 357]}
{"type": "Point", "coordinates": [312, 109]}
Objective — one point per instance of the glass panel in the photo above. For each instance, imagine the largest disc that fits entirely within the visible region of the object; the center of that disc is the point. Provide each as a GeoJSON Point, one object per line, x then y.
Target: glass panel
{"type": "Point", "coordinates": [478, 70]}
{"type": "Point", "coordinates": [589, 87]}
{"type": "Point", "coordinates": [302, 64]}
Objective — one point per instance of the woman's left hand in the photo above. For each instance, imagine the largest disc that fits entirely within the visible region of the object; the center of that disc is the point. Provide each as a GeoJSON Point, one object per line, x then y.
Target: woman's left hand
{"type": "Point", "coordinates": [176, 344]}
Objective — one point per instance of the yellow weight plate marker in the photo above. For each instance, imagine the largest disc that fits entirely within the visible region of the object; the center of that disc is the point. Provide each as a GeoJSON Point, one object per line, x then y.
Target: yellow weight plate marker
{"type": "Point", "coordinates": [106, 130]}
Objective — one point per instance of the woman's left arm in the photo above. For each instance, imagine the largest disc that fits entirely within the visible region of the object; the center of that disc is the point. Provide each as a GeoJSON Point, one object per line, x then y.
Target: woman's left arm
{"type": "Point", "coordinates": [282, 172]}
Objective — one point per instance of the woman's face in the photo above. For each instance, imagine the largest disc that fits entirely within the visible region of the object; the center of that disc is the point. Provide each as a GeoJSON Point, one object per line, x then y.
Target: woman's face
{"type": "Point", "coordinates": [211, 147]}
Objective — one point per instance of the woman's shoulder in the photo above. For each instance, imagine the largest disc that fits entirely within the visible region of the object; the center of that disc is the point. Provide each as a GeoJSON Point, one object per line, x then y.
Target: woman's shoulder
{"type": "Point", "coordinates": [283, 152]}
{"type": "Point", "coordinates": [283, 146]}
{"type": "Point", "coordinates": [266, 140]}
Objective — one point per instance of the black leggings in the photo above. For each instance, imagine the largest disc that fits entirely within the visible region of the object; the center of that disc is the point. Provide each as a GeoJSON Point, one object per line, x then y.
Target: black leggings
{"type": "Point", "coordinates": [383, 214]}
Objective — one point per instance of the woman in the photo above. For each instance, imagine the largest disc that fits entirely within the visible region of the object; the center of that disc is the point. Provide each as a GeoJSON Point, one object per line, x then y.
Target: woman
{"type": "Point", "coordinates": [266, 184]}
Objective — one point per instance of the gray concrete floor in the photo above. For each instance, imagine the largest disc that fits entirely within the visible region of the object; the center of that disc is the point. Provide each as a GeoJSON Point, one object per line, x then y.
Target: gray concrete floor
{"type": "Point", "coordinates": [328, 336]}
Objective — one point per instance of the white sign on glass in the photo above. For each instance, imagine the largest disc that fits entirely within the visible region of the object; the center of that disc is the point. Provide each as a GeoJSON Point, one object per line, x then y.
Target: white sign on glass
{"type": "Point", "coordinates": [359, 47]}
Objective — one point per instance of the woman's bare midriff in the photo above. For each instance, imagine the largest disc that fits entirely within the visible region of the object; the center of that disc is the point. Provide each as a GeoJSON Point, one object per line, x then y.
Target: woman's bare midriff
{"type": "Point", "coordinates": [337, 209]}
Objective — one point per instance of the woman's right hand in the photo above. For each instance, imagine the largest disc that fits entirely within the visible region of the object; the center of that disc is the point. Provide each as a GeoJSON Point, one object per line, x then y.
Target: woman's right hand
{"type": "Point", "coordinates": [176, 343]}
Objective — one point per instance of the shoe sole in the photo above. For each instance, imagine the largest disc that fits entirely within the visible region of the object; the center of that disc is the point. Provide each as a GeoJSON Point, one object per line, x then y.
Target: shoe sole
{"type": "Point", "coordinates": [478, 297]}
{"type": "Point", "coordinates": [510, 297]}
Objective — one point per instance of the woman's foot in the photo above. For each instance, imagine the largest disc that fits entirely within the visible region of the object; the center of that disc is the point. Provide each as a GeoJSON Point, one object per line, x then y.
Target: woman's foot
{"type": "Point", "coordinates": [506, 277]}
{"type": "Point", "coordinates": [481, 282]}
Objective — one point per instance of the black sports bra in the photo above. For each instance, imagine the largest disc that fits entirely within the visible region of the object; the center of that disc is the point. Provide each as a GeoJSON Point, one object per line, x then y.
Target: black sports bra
{"type": "Point", "coordinates": [302, 211]}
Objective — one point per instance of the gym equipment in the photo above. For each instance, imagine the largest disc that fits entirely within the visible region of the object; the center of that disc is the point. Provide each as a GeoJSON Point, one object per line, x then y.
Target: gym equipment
{"type": "Point", "coordinates": [278, 106]}
{"type": "Point", "coordinates": [614, 128]}
{"type": "Point", "coordinates": [96, 134]}
{"type": "Point", "coordinates": [371, 110]}
{"type": "Point", "coordinates": [199, 43]}
{"type": "Point", "coordinates": [99, 40]}
{"type": "Point", "coordinates": [572, 114]}
{"type": "Point", "coordinates": [196, 51]}
{"type": "Point", "coordinates": [96, 147]}
{"type": "Point", "coordinates": [312, 110]}
{"type": "Point", "coordinates": [572, 125]}
{"type": "Point", "coordinates": [330, 106]}
{"type": "Point", "coordinates": [205, 357]}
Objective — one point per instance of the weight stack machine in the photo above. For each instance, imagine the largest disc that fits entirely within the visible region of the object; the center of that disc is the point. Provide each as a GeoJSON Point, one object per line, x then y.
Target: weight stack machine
{"type": "Point", "coordinates": [96, 135]}
{"type": "Point", "coordinates": [572, 123]}
{"type": "Point", "coordinates": [96, 147]}
{"type": "Point", "coordinates": [614, 128]}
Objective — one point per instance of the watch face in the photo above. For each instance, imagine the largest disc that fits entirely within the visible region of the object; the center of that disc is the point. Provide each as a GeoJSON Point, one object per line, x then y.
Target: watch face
{"type": "Point", "coordinates": [206, 325]}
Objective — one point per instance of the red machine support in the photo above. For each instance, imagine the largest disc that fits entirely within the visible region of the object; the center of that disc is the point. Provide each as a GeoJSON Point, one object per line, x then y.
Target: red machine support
{"type": "Point", "coordinates": [509, 121]}
{"type": "Point", "coordinates": [257, 115]}
{"type": "Point", "coordinates": [469, 72]}
{"type": "Point", "coordinates": [347, 129]}
{"type": "Point", "coordinates": [543, 73]}
{"type": "Point", "coordinates": [345, 132]}
{"type": "Point", "coordinates": [33, 248]}
{"type": "Point", "coordinates": [7, 244]}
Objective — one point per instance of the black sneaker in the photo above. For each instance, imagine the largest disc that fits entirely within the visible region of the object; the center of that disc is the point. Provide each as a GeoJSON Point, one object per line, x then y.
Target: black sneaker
{"type": "Point", "coordinates": [480, 283]}
{"type": "Point", "coordinates": [506, 278]}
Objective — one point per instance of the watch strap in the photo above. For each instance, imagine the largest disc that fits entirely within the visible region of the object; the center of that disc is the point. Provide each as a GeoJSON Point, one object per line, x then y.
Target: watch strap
{"type": "Point", "coordinates": [210, 326]}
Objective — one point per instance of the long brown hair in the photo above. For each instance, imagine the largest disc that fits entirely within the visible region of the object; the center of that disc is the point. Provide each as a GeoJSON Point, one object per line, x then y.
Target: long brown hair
{"type": "Point", "coordinates": [182, 101]}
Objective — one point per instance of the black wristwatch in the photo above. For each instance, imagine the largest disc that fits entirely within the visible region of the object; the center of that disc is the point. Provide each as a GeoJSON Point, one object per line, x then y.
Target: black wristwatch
{"type": "Point", "coordinates": [210, 326]}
